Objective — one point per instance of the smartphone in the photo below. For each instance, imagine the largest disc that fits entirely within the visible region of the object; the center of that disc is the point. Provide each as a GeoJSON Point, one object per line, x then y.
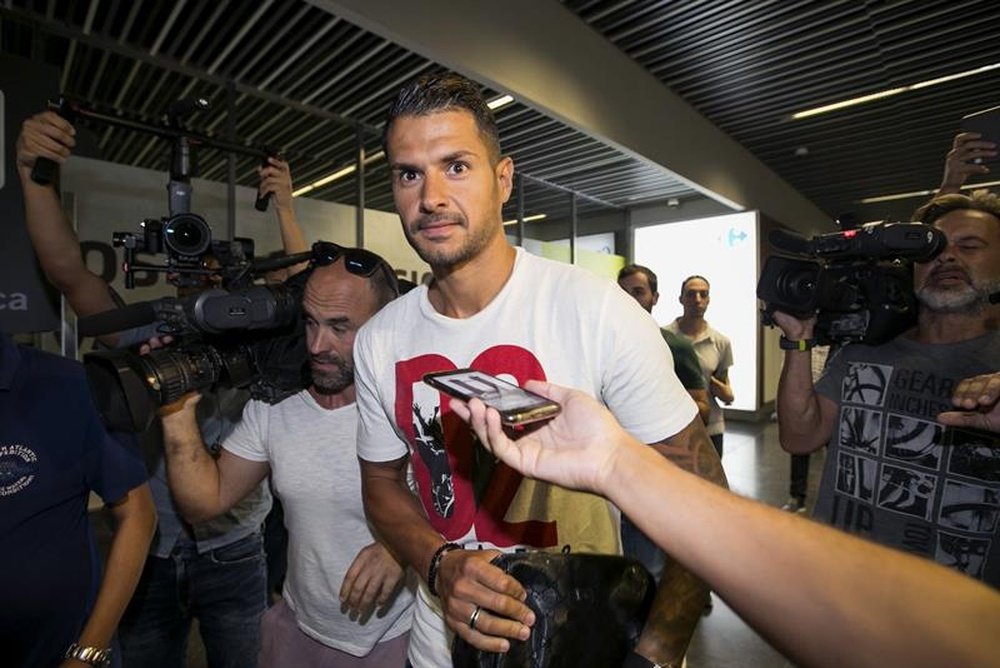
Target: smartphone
{"type": "Point", "coordinates": [516, 406]}
{"type": "Point", "coordinates": [987, 124]}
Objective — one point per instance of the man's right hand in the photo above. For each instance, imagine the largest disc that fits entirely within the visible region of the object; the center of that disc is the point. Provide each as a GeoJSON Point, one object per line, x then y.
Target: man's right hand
{"type": "Point", "coordinates": [466, 581]}
{"type": "Point", "coordinates": [794, 329]}
{"type": "Point", "coordinates": [44, 135]}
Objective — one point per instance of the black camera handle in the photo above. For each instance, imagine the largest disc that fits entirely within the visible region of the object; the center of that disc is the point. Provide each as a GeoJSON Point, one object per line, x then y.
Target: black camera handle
{"type": "Point", "coordinates": [185, 141]}
{"type": "Point", "coordinates": [45, 169]}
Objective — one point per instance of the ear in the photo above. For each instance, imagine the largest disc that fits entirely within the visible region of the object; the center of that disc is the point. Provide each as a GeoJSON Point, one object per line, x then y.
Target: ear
{"type": "Point", "coordinates": [656, 298]}
{"type": "Point", "coordinates": [505, 177]}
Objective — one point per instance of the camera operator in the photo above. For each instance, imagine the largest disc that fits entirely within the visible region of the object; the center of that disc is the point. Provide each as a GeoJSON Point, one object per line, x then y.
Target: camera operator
{"type": "Point", "coordinates": [214, 570]}
{"type": "Point", "coordinates": [893, 471]}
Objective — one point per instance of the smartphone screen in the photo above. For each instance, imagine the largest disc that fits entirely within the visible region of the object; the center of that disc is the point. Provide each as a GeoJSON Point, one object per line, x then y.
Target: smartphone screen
{"type": "Point", "coordinates": [987, 124]}
{"type": "Point", "coordinates": [515, 405]}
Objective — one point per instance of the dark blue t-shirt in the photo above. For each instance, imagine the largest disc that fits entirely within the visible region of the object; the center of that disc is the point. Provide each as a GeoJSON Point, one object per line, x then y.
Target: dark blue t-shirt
{"type": "Point", "coordinates": [53, 452]}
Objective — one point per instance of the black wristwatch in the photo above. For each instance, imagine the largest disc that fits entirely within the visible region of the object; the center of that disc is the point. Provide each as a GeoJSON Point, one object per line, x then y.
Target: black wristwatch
{"type": "Point", "coordinates": [99, 658]}
{"type": "Point", "coordinates": [801, 344]}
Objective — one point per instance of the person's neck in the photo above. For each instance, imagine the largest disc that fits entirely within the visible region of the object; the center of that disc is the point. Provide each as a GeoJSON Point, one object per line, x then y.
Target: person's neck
{"type": "Point", "coordinates": [332, 401]}
{"type": "Point", "coordinates": [461, 291]}
{"type": "Point", "coordinates": [691, 325]}
{"type": "Point", "coordinates": [935, 327]}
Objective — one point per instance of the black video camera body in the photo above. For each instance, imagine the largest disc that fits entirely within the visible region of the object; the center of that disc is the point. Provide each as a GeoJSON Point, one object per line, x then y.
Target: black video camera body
{"type": "Point", "coordinates": [186, 240]}
{"type": "Point", "coordinates": [857, 282]}
{"type": "Point", "coordinates": [250, 338]}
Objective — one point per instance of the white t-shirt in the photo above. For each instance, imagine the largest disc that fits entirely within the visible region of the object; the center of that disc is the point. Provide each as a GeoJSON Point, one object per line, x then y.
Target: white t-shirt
{"type": "Point", "coordinates": [715, 354]}
{"type": "Point", "coordinates": [551, 321]}
{"type": "Point", "coordinates": [315, 474]}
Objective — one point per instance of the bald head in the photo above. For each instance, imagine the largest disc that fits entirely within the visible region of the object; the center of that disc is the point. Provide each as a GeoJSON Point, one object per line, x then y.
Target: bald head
{"type": "Point", "coordinates": [335, 305]}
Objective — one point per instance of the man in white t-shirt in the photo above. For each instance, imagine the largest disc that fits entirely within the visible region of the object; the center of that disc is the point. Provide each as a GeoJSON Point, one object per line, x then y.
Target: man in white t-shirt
{"type": "Point", "coordinates": [714, 350]}
{"type": "Point", "coordinates": [503, 311]}
{"type": "Point", "coordinates": [344, 603]}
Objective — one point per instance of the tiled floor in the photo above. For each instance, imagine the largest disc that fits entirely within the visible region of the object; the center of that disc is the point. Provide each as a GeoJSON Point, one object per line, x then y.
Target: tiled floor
{"type": "Point", "coordinates": [756, 467]}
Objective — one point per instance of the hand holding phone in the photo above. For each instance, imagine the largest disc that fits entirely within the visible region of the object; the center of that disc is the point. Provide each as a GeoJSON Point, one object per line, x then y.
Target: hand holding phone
{"type": "Point", "coordinates": [987, 124]}
{"type": "Point", "coordinates": [516, 405]}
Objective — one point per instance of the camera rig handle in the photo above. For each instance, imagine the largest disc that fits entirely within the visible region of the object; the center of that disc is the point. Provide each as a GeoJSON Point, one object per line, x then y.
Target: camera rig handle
{"type": "Point", "coordinates": [263, 200]}
{"type": "Point", "coordinates": [45, 170]}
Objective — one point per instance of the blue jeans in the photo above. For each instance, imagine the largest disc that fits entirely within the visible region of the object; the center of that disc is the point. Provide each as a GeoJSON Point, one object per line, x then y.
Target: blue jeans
{"type": "Point", "coordinates": [225, 589]}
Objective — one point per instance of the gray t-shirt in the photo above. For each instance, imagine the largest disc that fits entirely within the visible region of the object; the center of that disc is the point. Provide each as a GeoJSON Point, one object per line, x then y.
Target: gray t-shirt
{"type": "Point", "coordinates": [893, 473]}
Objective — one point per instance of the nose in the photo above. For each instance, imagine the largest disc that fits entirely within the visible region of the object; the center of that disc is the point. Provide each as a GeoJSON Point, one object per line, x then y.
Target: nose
{"type": "Point", "coordinates": [317, 342]}
{"type": "Point", "coordinates": [434, 193]}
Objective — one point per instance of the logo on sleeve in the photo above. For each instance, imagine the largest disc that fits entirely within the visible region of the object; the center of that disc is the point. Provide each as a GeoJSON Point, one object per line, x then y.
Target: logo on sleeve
{"type": "Point", "coordinates": [18, 465]}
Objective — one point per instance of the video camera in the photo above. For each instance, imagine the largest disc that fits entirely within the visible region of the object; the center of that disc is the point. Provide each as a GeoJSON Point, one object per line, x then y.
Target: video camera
{"type": "Point", "coordinates": [250, 338]}
{"type": "Point", "coordinates": [858, 282]}
{"type": "Point", "coordinates": [186, 239]}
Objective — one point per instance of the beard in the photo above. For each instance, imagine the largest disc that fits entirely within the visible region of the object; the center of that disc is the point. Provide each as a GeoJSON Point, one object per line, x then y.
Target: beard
{"type": "Point", "coordinates": [331, 381]}
{"type": "Point", "coordinates": [968, 299]}
{"type": "Point", "coordinates": [443, 256]}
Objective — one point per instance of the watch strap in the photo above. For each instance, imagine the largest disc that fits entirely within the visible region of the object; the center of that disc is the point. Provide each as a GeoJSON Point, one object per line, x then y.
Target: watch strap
{"type": "Point", "coordinates": [800, 344]}
{"type": "Point", "coordinates": [98, 657]}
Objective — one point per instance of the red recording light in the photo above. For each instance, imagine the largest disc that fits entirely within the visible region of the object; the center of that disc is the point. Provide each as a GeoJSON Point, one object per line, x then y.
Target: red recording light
{"type": "Point", "coordinates": [849, 234]}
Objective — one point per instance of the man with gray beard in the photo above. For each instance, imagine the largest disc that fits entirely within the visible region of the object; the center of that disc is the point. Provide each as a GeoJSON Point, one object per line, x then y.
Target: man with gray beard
{"type": "Point", "coordinates": [344, 604]}
{"type": "Point", "coordinates": [903, 468]}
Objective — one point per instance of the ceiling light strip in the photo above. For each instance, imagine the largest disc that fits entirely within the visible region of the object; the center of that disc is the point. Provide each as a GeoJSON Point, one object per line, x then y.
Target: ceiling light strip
{"type": "Point", "coordinates": [891, 91]}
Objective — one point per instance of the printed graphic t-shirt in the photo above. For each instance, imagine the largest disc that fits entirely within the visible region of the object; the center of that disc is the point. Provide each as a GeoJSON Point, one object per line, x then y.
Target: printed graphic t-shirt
{"type": "Point", "coordinates": [893, 473]}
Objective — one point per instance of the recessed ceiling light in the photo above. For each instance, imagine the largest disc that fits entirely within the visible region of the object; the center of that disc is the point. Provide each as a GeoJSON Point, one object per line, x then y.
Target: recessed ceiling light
{"type": "Point", "coordinates": [498, 102]}
{"type": "Point", "coordinates": [339, 174]}
{"type": "Point", "coordinates": [527, 219]}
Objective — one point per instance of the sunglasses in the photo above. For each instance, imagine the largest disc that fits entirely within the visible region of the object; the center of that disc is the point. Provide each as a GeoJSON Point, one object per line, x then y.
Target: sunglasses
{"type": "Point", "coordinates": [357, 261]}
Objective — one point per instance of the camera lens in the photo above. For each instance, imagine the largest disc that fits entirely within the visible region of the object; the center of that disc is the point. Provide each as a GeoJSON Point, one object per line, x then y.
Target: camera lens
{"type": "Point", "coordinates": [187, 234]}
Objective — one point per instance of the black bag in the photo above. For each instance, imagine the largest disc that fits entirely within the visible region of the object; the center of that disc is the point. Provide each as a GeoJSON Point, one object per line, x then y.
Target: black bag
{"type": "Point", "coordinates": [589, 612]}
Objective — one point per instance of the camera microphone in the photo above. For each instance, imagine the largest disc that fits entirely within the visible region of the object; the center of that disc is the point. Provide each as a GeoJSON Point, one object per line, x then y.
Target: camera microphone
{"type": "Point", "coordinates": [117, 320]}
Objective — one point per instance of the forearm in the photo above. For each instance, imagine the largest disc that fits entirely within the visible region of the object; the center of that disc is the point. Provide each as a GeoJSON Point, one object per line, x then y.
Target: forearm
{"type": "Point", "coordinates": [800, 423]}
{"type": "Point", "coordinates": [400, 522]}
{"type": "Point", "coordinates": [192, 473]}
{"type": "Point", "coordinates": [681, 596]}
{"type": "Point", "coordinates": [135, 519]}
{"type": "Point", "coordinates": [821, 596]}
{"type": "Point", "coordinates": [701, 400]}
{"type": "Point", "coordinates": [58, 250]}
{"type": "Point", "coordinates": [722, 390]}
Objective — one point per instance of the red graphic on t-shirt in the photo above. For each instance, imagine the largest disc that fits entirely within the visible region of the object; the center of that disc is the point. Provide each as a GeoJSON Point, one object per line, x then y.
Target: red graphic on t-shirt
{"type": "Point", "coordinates": [488, 517]}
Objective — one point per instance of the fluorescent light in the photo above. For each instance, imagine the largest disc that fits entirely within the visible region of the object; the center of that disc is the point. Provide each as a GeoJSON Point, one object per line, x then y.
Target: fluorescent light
{"type": "Point", "coordinates": [923, 193]}
{"type": "Point", "coordinates": [892, 91]}
{"type": "Point", "coordinates": [498, 102]}
{"type": "Point", "coordinates": [339, 174]}
{"type": "Point", "coordinates": [527, 219]}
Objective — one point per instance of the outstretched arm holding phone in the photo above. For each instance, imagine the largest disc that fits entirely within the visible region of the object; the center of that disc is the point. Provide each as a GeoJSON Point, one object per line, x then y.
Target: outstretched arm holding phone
{"type": "Point", "coordinates": [823, 597]}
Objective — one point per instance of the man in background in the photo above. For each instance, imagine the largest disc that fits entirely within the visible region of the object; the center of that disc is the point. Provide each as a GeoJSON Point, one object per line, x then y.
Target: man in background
{"type": "Point", "coordinates": [714, 350]}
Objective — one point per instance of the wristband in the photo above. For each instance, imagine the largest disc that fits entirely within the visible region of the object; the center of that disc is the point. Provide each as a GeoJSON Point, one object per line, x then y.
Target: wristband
{"type": "Point", "coordinates": [801, 344]}
{"type": "Point", "coordinates": [432, 572]}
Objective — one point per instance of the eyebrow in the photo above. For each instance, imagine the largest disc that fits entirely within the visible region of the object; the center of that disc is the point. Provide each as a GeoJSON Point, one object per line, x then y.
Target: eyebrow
{"type": "Point", "coordinates": [451, 157]}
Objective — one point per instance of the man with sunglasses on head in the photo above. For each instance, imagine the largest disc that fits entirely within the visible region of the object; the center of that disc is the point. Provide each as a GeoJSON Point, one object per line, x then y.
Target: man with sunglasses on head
{"type": "Point", "coordinates": [499, 310]}
{"type": "Point", "coordinates": [344, 601]}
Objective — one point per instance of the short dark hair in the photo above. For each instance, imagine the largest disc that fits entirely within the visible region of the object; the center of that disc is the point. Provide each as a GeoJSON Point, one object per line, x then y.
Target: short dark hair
{"type": "Point", "coordinates": [631, 269]}
{"type": "Point", "coordinates": [691, 278]}
{"type": "Point", "coordinates": [433, 93]}
{"type": "Point", "coordinates": [979, 200]}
